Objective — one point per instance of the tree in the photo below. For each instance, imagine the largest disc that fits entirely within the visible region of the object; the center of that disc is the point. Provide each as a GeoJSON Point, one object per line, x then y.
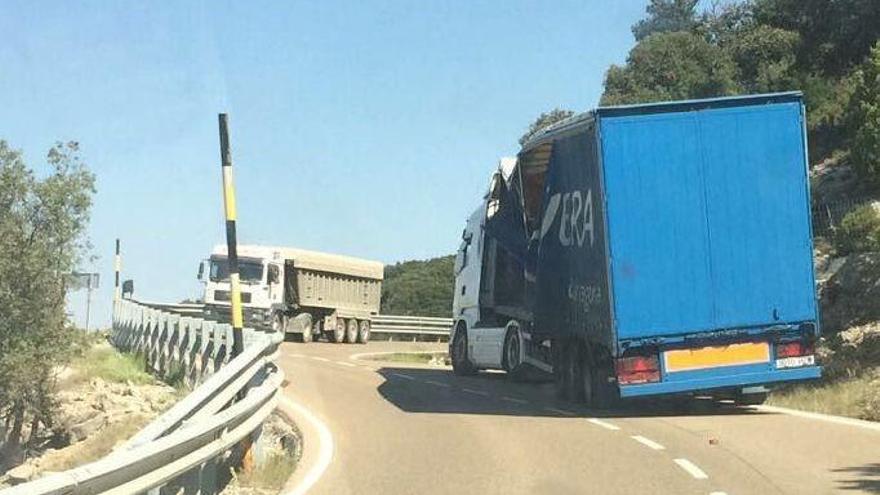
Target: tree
{"type": "Point", "coordinates": [864, 118]}
{"type": "Point", "coordinates": [836, 34]}
{"type": "Point", "coordinates": [765, 58]}
{"type": "Point", "coordinates": [544, 120]}
{"type": "Point", "coordinates": [42, 227]}
{"type": "Point", "coordinates": [670, 66]}
{"type": "Point", "coordinates": [419, 288]}
{"type": "Point", "coordinates": [666, 16]}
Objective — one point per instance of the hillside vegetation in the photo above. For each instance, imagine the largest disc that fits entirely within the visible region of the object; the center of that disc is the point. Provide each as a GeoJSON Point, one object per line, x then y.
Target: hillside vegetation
{"type": "Point", "coordinates": [826, 48]}
{"type": "Point", "coordinates": [420, 288]}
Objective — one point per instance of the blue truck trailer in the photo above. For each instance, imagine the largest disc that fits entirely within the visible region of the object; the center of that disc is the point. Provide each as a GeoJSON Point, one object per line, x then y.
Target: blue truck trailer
{"type": "Point", "coordinates": [645, 250]}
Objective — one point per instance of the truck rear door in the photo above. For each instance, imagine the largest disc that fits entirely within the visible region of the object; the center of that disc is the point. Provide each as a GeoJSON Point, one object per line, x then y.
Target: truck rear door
{"type": "Point", "coordinates": [708, 218]}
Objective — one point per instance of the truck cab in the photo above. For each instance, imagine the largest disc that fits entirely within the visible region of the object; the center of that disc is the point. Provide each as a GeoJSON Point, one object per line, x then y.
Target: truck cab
{"type": "Point", "coordinates": [486, 332]}
{"type": "Point", "coordinates": [262, 289]}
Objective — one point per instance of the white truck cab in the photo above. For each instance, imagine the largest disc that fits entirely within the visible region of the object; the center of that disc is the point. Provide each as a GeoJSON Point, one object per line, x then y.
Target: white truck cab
{"type": "Point", "coordinates": [482, 338]}
{"type": "Point", "coordinates": [262, 289]}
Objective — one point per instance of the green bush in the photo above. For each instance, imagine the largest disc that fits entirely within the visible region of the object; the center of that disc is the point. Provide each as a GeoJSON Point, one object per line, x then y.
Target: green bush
{"type": "Point", "coordinates": [859, 231]}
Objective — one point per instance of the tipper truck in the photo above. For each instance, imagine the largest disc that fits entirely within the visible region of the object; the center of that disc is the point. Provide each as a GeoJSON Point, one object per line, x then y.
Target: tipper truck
{"type": "Point", "coordinates": [291, 290]}
{"type": "Point", "coordinates": [647, 250]}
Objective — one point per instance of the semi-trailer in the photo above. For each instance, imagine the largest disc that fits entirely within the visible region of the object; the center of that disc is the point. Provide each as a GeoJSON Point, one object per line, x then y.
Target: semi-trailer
{"type": "Point", "coordinates": [649, 249]}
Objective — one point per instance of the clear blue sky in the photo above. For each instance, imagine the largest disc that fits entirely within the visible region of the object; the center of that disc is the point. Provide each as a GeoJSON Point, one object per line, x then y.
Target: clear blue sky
{"type": "Point", "coordinates": [363, 128]}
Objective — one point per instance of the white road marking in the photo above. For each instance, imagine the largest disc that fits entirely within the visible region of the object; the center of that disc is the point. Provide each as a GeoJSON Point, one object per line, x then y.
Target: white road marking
{"type": "Point", "coordinates": [439, 384]}
{"type": "Point", "coordinates": [870, 425]}
{"type": "Point", "coordinates": [603, 424]}
{"type": "Point", "coordinates": [318, 358]}
{"type": "Point", "coordinates": [691, 469]}
{"type": "Point", "coordinates": [400, 375]}
{"type": "Point", "coordinates": [514, 400]}
{"type": "Point", "coordinates": [344, 363]}
{"type": "Point", "coordinates": [647, 442]}
{"type": "Point", "coordinates": [325, 448]}
{"type": "Point", "coordinates": [297, 355]}
{"type": "Point", "coordinates": [718, 493]}
{"type": "Point", "coordinates": [477, 392]}
{"type": "Point", "coordinates": [559, 411]}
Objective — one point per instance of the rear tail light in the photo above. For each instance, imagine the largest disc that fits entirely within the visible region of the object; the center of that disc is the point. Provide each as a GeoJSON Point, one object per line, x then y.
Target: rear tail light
{"type": "Point", "coordinates": [638, 369]}
{"type": "Point", "coordinates": [793, 349]}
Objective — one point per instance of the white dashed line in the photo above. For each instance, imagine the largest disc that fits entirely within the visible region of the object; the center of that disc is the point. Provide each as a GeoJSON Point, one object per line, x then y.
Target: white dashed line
{"type": "Point", "coordinates": [647, 442]}
{"type": "Point", "coordinates": [405, 377]}
{"type": "Point", "coordinates": [317, 358]}
{"type": "Point", "coordinates": [439, 384]}
{"type": "Point", "coordinates": [296, 355]}
{"type": "Point", "coordinates": [343, 363]}
{"type": "Point", "coordinates": [603, 424]}
{"type": "Point", "coordinates": [718, 493]}
{"type": "Point", "coordinates": [514, 400]}
{"type": "Point", "coordinates": [476, 392]}
{"type": "Point", "coordinates": [559, 411]}
{"type": "Point", "coordinates": [691, 469]}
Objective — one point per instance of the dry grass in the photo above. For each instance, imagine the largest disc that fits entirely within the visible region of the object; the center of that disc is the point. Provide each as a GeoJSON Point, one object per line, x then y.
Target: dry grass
{"type": "Point", "coordinates": [272, 475]}
{"type": "Point", "coordinates": [105, 362]}
{"type": "Point", "coordinates": [94, 447]}
{"type": "Point", "coordinates": [855, 397]}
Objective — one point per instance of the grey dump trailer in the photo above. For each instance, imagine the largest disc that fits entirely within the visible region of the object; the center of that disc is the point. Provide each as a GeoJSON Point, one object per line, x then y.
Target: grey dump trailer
{"type": "Point", "coordinates": [296, 291]}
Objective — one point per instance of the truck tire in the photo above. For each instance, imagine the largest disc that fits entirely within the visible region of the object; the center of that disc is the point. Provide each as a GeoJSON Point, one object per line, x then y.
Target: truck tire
{"type": "Point", "coordinates": [560, 370]}
{"type": "Point", "coordinates": [339, 331]}
{"type": "Point", "coordinates": [318, 329]}
{"type": "Point", "coordinates": [605, 394]}
{"type": "Point", "coordinates": [512, 359]}
{"type": "Point", "coordinates": [279, 322]}
{"type": "Point", "coordinates": [363, 332]}
{"type": "Point", "coordinates": [307, 332]}
{"type": "Point", "coordinates": [351, 331]}
{"type": "Point", "coordinates": [461, 364]}
{"type": "Point", "coordinates": [582, 378]}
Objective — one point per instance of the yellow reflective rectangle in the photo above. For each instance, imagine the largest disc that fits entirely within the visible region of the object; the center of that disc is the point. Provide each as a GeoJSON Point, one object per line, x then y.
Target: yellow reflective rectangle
{"type": "Point", "coordinates": [712, 357]}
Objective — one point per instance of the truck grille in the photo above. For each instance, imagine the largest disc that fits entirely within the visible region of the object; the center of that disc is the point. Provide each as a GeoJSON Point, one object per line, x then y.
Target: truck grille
{"type": "Point", "coordinates": [223, 295]}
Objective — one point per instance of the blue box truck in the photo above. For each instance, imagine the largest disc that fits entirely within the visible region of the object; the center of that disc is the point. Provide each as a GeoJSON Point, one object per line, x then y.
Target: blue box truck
{"type": "Point", "coordinates": [645, 250]}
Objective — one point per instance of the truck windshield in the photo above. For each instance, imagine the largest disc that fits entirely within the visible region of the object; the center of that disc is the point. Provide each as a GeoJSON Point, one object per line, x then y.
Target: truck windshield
{"type": "Point", "coordinates": [249, 271]}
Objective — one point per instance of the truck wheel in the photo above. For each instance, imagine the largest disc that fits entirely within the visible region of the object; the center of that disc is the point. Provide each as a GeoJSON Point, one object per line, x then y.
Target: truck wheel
{"type": "Point", "coordinates": [351, 331]}
{"type": "Point", "coordinates": [605, 394]}
{"type": "Point", "coordinates": [339, 331]}
{"type": "Point", "coordinates": [560, 370]}
{"type": "Point", "coordinates": [512, 358]}
{"type": "Point", "coordinates": [307, 332]}
{"type": "Point", "coordinates": [364, 332]}
{"type": "Point", "coordinates": [461, 364]}
{"type": "Point", "coordinates": [582, 378]}
{"type": "Point", "coordinates": [279, 322]}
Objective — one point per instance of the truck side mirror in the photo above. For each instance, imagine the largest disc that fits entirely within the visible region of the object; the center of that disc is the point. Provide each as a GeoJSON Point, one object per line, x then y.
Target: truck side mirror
{"type": "Point", "coordinates": [273, 276]}
{"type": "Point", "coordinates": [201, 275]}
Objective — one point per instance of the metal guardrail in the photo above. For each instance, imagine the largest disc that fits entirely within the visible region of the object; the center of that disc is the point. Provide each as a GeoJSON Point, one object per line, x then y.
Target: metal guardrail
{"type": "Point", "coordinates": [183, 448]}
{"type": "Point", "coordinates": [414, 327]}
{"type": "Point", "coordinates": [384, 327]}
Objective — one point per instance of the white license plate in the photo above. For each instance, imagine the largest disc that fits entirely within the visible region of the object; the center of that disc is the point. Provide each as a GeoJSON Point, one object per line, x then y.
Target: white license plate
{"type": "Point", "coordinates": [795, 362]}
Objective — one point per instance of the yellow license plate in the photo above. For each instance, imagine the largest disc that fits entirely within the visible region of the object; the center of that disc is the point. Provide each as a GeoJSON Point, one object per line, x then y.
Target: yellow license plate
{"type": "Point", "coordinates": [713, 357]}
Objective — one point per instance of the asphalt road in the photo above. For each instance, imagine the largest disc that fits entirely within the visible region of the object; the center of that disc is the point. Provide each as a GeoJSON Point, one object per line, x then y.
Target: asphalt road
{"type": "Point", "coordinates": [402, 429]}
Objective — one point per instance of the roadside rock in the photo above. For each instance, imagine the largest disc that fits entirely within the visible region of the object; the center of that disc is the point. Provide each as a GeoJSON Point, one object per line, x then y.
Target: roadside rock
{"type": "Point", "coordinates": [850, 295]}
{"type": "Point", "coordinates": [21, 474]}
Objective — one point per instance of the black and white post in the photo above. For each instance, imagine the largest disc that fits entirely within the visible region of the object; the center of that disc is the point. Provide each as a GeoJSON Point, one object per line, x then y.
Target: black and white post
{"type": "Point", "coordinates": [231, 242]}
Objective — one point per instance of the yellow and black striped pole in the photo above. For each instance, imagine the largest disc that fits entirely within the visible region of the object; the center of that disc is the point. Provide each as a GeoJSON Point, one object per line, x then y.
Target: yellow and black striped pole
{"type": "Point", "coordinates": [117, 267]}
{"type": "Point", "coordinates": [231, 242]}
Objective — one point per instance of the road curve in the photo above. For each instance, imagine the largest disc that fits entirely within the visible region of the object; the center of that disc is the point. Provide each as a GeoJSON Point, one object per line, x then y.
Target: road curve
{"type": "Point", "coordinates": [401, 429]}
